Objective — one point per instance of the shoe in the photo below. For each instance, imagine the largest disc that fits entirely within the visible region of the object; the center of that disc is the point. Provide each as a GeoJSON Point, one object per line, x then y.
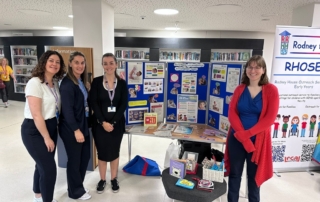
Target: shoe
{"type": "Point", "coordinates": [101, 185]}
{"type": "Point", "coordinates": [87, 190]}
{"type": "Point", "coordinates": [6, 105]}
{"type": "Point", "coordinates": [115, 185]}
{"type": "Point", "coordinates": [85, 196]}
{"type": "Point", "coordinates": [37, 199]}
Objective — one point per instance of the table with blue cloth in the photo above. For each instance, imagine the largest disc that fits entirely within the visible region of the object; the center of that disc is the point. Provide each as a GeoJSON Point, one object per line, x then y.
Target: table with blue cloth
{"type": "Point", "coordinates": [193, 195]}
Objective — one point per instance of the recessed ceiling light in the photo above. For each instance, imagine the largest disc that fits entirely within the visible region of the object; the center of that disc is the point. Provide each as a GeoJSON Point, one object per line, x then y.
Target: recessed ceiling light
{"type": "Point", "coordinates": [123, 16]}
{"type": "Point", "coordinates": [265, 19]}
{"type": "Point", "coordinates": [70, 16]}
{"type": "Point", "coordinates": [224, 8]}
{"type": "Point", "coordinates": [172, 28]}
{"type": "Point", "coordinates": [60, 27]}
{"type": "Point", "coordinates": [165, 11]}
{"type": "Point", "coordinates": [34, 12]}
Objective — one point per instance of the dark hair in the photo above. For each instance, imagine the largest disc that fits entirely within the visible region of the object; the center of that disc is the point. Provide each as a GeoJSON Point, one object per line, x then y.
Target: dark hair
{"type": "Point", "coordinates": [40, 68]}
{"type": "Point", "coordinates": [115, 60]}
{"type": "Point", "coordinates": [278, 116]}
{"type": "Point", "coordinates": [70, 74]}
{"type": "Point", "coordinates": [260, 63]}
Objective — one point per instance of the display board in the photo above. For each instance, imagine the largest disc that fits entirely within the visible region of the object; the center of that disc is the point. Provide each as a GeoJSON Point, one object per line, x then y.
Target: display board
{"type": "Point", "coordinates": [146, 90]}
{"type": "Point", "coordinates": [296, 74]}
{"type": "Point", "coordinates": [225, 77]}
{"type": "Point", "coordinates": [187, 85]}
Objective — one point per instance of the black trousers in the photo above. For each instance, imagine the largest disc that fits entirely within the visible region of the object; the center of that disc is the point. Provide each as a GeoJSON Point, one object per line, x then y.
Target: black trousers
{"type": "Point", "coordinates": [45, 172]}
{"type": "Point", "coordinates": [3, 95]}
{"type": "Point", "coordinates": [78, 159]}
{"type": "Point", "coordinates": [237, 156]}
{"type": "Point", "coordinates": [7, 83]}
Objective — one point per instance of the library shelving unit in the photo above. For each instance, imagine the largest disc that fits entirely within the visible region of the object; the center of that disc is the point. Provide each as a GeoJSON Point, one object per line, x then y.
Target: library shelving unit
{"type": "Point", "coordinates": [124, 54]}
{"type": "Point", "coordinates": [183, 55]}
{"type": "Point", "coordinates": [1, 52]}
{"type": "Point", "coordinates": [230, 55]}
{"type": "Point", "coordinates": [24, 59]}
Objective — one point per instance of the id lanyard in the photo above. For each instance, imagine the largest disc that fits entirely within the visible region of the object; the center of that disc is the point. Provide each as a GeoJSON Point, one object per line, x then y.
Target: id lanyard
{"type": "Point", "coordinates": [111, 96]}
{"type": "Point", "coordinates": [85, 95]}
{"type": "Point", "coordinates": [55, 95]}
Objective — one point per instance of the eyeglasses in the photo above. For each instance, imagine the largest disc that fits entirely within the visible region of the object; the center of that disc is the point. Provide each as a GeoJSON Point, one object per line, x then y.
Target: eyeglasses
{"type": "Point", "coordinates": [255, 68]}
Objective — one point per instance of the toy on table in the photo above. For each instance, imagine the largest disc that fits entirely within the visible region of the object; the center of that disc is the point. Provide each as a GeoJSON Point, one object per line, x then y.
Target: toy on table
{"type": "Point", "coordinates": [185, 184]}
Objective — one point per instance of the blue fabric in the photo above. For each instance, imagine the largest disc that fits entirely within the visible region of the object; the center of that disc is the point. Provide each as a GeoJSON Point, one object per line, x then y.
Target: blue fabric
{"type": "Point", "coordinates": [249, 109]}
{"type": "Point", "coordinates": [138, 163]}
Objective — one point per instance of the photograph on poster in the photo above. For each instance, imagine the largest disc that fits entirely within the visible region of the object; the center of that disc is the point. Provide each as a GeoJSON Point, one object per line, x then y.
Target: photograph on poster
{"type": "Point", "coordinates": [224, 124]}
{"type": "Point", "coordinates": [152, 98]}
{"type": "Point", "coordinates": [157, 108]}
{"type": "Point", "coordinates": [202, 81]}
{"type": "Point", "coordinates": [189, 84]}
{"type": "Point", "coordinates": [171, 116]}
{"type": "Point", "coordinates": [216, 89]}
{"type": "Point", "coordinates": [228, 99]}
{"type": "Point", "coordinates": [233, 79]}
{"type": "Point", "coordinates": [212, 121]}
{"type": "Point", "coordinates": [136, 114]}
{"type": "Point", "coordinates": [174, 91]}
{"type": "Point", "coordinates": [152, 86]}
{"type": "Point", "coordinates": [132, 93]}
{"type": "Point", "coordinates": [174, 77]}
{"type": "Point", "coordinates": [154, 70]}
{"type": "Point", "coordinates": [171, 104]}
{"type": "Point", "coordinates": [216, 104]}
{"type": "Point", "coordinates": [219, 72]}
{"type": "Point", "coordinates": [135, 74]}
{"type": "Point", "coordinates": [121, 73]}
{"type": "Point", "coordinates": [202, 105]}
{"type": "Point", "coordinates": [166, 127]}
{"type": "Point", "coordinates": [187, 108]}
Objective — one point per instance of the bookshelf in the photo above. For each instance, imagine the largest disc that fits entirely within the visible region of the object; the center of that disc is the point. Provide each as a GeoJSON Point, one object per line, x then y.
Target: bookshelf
{"type": "Point", "coordinates": [230, 55]}
{"type": "Point", "coordinates": [24, 59]}
{"type": "Point", "coordinates": [124, 54]}
{"type": "Point", "coordinates": [1, 52]}
{"type": "Point", "coordinates": [183, 55]}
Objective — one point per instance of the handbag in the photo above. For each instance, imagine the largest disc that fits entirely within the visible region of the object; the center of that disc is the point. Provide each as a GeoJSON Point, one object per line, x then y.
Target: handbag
{"type": "Point", "coordinates": [2, 85]}
{"type": "Point", "coordinates": [142, 166]}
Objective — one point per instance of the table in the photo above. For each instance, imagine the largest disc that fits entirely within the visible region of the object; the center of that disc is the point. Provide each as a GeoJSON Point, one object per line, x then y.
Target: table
{"type": "Point", "coordinates": [193, 195]}
{"type": "Point", "coordinates": [196, 136]}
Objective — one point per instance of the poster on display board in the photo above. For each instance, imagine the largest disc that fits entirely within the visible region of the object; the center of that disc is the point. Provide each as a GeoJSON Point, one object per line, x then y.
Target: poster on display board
{"type": "Point", "coordinates": [187, 81]}
{"type": "Point", "coordinates": [296, 74]}
{"type": "Point", "coordinates": [224, 80]}
{"type": "Point", "coordinates": [145, 91]}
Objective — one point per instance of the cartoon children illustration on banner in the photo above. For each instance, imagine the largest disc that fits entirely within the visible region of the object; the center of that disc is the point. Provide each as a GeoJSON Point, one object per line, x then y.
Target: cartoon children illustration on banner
{"type": "Point", "coordinates": [285, 120]}
{"type": "Point", "coordinates": [313, 121]}
{"type": "Point", "coordinates": [276, 126]}
{"type": "Point", "coordinates": [304, 125]}
{"type": "Point", "coordinates": [294, 126]}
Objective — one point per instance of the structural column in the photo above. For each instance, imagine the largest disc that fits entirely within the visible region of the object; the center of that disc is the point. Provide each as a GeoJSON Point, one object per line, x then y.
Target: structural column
{"type": "Point", "coordinates": [93, 27]}
{"type": "Point", "coordinates": [307, 15]}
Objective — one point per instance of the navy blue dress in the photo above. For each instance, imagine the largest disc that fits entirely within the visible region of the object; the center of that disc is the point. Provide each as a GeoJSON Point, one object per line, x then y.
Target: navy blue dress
{"type": "Point", "coordinates": [249, 109]}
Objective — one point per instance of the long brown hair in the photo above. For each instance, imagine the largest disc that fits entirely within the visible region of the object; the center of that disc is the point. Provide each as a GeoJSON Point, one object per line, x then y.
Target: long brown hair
{"type": "Point", "coordinates": [115, 60]}
{"type": "Point", "coordinates": [259, 60]}
{"type": "Point", "coordinates": [70, 74]}
{"type": "Point", "coordinates": [40, 68]}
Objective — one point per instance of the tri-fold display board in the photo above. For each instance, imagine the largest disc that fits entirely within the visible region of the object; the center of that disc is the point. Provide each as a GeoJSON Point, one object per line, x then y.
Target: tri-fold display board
{"type": "Point", "coordinates": [181, 92]}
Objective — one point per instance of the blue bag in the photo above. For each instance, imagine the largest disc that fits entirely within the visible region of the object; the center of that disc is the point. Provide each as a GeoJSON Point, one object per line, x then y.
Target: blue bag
{"type": "Point", "coordinates": [142, 166]}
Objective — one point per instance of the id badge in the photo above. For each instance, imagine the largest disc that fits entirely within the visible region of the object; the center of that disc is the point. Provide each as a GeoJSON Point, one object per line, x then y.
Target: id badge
{"type": "Point", "coordinates": [57, 114]}
{"type": "Point", "coordinates": [87, 111]}
{"type": "Point", "coordinates": [111, 109]}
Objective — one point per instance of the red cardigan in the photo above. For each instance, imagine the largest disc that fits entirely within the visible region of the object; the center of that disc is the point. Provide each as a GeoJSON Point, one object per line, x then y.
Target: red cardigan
{"type": "Point", "coordinates": [262, 151]}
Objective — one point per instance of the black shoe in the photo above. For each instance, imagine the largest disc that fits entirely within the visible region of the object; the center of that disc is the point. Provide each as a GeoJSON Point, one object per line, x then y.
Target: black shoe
{"type": "Point", "coordinates": [100, 186]}
{"type": "Point", "coordinates": [115, 185]}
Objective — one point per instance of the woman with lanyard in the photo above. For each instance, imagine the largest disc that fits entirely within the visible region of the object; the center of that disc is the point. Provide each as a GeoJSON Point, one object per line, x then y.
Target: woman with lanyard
{"type": "Point", "coordinates": [73, 126]}
{"type": "Point", "coordinates": [39, 128]}
{"type": "Point", "coordinates": [6, 72]}
{"type": "Point", "coordinates": [109, 100]}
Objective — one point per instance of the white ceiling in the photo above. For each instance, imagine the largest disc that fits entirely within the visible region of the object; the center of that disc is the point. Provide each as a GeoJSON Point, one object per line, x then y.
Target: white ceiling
{"type": "Point", "coordinates": [193, 14]}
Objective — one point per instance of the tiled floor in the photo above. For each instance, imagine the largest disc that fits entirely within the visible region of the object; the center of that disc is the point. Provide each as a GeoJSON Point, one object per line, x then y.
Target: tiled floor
{"type": "Point", "coordinates": [16, 170]}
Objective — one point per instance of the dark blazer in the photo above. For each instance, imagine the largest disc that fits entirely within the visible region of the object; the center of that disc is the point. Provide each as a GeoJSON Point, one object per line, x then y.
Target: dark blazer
{"type": "Point", "coordinates": [72, 116]}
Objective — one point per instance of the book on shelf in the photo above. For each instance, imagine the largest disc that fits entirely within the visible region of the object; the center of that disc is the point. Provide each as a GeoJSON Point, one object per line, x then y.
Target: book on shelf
{"type": "Point", "coordinates": [230, 56]}
{"type": "Point", "coordinates": [131, 54]}
{"type": "Point", "coordinates": [187, 56]}
{"type": "Point", "coordinates": [24, 51]}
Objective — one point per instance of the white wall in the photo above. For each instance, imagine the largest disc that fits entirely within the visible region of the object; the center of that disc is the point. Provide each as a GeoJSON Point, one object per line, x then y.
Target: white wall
{"type": "Point", "coordinates": [267, 48]}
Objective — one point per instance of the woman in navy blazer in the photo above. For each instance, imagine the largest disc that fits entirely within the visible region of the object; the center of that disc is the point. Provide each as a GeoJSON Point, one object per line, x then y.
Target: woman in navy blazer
{"type": "Point", "coordinates": [73, 126]}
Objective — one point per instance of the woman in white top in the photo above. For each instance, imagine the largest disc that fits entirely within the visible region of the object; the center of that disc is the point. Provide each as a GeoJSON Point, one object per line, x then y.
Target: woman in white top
{"type": "Point", "coordinates": [39, 128]}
